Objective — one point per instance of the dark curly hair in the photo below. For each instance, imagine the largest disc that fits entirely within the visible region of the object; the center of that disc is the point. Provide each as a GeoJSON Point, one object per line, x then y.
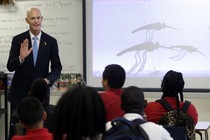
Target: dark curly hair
{"type": "Point", "coordinates": [30, 111]}
{"type": "Point", "coordinates": [115, 74]}
{"type": "Point", "coordinates": [40, 90]}
{"type": "Point", "coordinates": [79, 114]}
{"type": "Point", "coordinates": [133, 100]}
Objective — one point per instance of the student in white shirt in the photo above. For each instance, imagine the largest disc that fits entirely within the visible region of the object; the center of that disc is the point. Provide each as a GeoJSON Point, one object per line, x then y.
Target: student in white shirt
{"type": "Point", "coordinates": [133, 103]}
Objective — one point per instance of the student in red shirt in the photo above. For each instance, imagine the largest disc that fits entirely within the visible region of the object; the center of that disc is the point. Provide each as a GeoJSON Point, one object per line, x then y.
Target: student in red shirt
{"type": "Point", "coordinates": [32, 116]}
{"type": "Point", "coordinates": [172, 85]}
{"type": "Point", "coordinates": [112, 82]}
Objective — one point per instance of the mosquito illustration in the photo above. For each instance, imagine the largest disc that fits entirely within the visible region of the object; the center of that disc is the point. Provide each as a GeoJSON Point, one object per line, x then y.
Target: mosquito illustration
{"type": "Point", "coordinates": [183, 50]}
{"type": "Point", "coordinates": [151, 28]}
{"type": "Point", "coordinates": [140, 53]}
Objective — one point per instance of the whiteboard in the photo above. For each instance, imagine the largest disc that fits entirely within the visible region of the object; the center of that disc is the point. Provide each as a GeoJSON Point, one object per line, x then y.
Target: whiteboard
{"type": "Point", "coordinates": [62, 20]}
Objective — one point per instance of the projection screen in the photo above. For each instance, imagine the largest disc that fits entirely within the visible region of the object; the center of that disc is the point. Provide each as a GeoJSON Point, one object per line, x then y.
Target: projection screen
{"type": "Point", "coordinates": [148, 38]}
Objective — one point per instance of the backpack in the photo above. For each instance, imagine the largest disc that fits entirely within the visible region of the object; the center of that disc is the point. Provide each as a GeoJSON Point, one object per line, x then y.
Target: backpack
{"type": "Point", "coordinates": [183, 120]}
{"type": "Point", "coordinates": [123, 129]}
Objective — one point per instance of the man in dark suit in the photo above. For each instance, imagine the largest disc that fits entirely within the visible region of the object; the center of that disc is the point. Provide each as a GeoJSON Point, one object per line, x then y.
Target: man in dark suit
{"type": "Point", "coordinates": [22, 58]}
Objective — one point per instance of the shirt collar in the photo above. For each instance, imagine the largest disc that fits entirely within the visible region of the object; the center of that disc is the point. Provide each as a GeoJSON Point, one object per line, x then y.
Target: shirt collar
{"type": "Point", "coordinates": [132, 116]}
{"type": "Point", "coordinates": [38, 36]}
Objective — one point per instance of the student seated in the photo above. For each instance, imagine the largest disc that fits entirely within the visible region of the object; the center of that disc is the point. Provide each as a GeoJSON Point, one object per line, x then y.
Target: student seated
{"type": "Point", "coordinates": [40, 90]}
{"type": "Point", "coordinates": [79, 115]}
{"type": "Point", "coordinates": [112, 81]}
{"type": "Point", "coordinates": [133, 104]}
{"type": "Point", "coordinates": [32, 115]}
{"type": "Point", "coordinates": [172, 85]}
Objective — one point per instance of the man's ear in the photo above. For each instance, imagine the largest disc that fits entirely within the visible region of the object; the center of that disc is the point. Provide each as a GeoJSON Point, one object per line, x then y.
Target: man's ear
{"type": "Point", "coordinates": [145, 103]}
{"type": "Point", "coordinates": [44, 115]}
{"type": "Point", "coordinates": [26, 20]}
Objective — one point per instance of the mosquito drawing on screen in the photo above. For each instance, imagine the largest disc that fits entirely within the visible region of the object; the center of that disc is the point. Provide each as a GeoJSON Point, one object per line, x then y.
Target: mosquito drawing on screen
{"type": "Point", "coordinates": [183, 50]}
{"type": "Point", "coordinates": [152, 28]}
{"type": "Point", "coordinates": [141, 51]}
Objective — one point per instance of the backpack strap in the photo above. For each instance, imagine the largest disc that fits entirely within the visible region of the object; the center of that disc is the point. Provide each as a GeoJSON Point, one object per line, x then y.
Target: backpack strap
{"type": "Point", "coordinates": [134, 125]}
{"type": "Point", "coordinates": [165, 104]}
{"type": "Point", "coordinates": [138, 121]}
{"type": "Point", "coordinates": [185, 106]}
{"type": "Point", "coordinates": [117, 120]}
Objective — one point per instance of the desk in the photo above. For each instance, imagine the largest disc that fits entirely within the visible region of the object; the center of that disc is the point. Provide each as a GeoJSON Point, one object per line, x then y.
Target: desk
{"type": "Point", "coordinates": [203, 126]}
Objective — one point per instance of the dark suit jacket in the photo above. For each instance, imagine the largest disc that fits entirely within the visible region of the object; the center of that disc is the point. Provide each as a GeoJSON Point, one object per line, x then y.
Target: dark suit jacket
{"type": "Point", "coordinates": [26, 72]}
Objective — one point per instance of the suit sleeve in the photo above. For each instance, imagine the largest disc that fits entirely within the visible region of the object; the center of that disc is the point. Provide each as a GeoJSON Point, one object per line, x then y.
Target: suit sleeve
{"type": "Point", "coordinates": [13, 61]}
{"type": "Point", "coordinates": [56, 66]}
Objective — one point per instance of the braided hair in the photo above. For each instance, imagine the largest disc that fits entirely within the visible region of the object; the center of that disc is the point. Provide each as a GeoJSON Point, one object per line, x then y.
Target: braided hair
{"type": "Point", "coordinates": [172, 85]}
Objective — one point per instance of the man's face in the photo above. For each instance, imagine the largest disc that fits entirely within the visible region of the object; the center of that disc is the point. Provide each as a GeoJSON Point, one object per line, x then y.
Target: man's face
{"type": "Point", "coordinates": [34, 19]}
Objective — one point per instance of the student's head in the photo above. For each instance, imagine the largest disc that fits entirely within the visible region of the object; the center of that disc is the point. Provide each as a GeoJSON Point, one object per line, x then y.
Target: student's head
{"type": "Point", "coordinates": [31, 113]}
{"type": "Point", "coordinates": [79, 113]}
{"type": "Point", "coordinates": [172, 84]}
{"type": "Point", "coordinates": [132, 100]}
{"type": "Point", "coordinates": [34, 18]}
{"type": "Point", "coordinates": [40, 90]}
{"type": "Point", "coordinates": [113, 76]}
